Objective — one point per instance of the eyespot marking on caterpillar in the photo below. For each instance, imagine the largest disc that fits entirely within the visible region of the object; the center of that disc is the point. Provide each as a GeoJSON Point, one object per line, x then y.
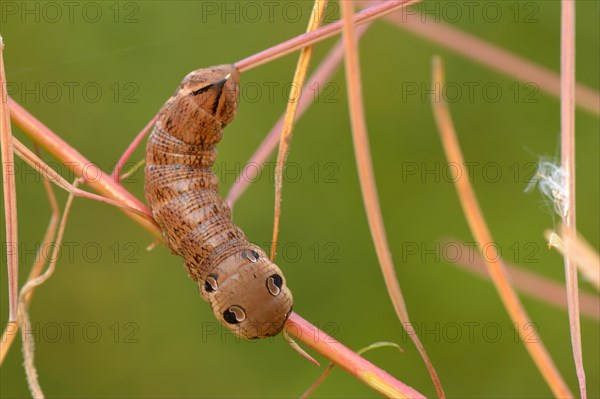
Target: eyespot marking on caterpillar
{"type": "Point", "coordinates": [211, 283]}
{"type": "Point", "coordinates": [274, 284]}
{"type": "Point", "coordinates": [234, 315]}
{"type": "Point", "coordinates": [250, 255]}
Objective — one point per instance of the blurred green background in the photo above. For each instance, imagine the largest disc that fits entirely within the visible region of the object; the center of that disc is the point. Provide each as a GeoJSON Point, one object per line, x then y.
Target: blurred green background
{"type": "Point", "coordinates": [118, 321]}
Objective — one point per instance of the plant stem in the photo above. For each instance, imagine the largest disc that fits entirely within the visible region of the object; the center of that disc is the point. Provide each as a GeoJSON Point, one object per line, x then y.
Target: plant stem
{"type": "Point", "coordinates": [348, 360]}
{"type": "Point", "coordinates": [480, 230]}
{"type": "Point", "coordinates": [298, 328]}
{"type": "Point", "coordinates": [567, 153]}
{"type": "Point", "coordinates": [368, 187]}
{"type": "Point", "coordinates": [289, 46]}
{"type": "Point", "coordinates": [79, 165]}
{"type": "Point", "coordinates": [10, 195]}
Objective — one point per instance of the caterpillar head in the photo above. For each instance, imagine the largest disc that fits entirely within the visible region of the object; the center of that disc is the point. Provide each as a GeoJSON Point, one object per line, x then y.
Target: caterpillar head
{"type": "Point", "coordinates": [248, 294]}
{"type": "Point", "coordinates": [215, 90]}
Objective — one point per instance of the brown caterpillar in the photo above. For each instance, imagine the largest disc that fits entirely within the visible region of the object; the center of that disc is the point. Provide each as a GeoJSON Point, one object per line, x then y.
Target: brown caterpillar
{"type": "Point", "coordinates": [247, 292]}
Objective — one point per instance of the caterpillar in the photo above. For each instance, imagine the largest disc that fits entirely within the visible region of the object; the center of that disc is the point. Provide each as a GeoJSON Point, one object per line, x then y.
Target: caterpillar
{"type": "Point", "coordinates": [247, 292]}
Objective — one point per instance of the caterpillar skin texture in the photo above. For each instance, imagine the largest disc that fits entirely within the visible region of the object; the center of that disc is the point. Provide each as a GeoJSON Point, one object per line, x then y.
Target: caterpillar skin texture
{"type": "Point", "coordinates": [246, 291]}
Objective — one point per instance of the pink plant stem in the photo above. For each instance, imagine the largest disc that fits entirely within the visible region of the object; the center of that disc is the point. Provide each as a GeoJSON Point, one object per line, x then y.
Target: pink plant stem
{"type": "Point", "coordinates": [532, 284]}
{"type": "Point", "coordinates": [10, 194]}
{"type": "Point", "coordinates": [78, 164]}
{"type": "Point", "coordinates": [320, 77]}
{"type": "Point", "coordinates": [134, 144]}
{"type": "Point", "coordinates": [492, 56]}
{"type": "Point", "coordinates": [368, 186]}
{"type": "Point", "coordinates": [326, 31]}
{"type": "Point", "coordinates": [42, 168]}
{"type": "Point", "coordinates": [567, 152]}
{"type": "Point", "coordinates": [348, 360]}
{"type": "Point", "coordinates": [480, 230]}
{"type": "Point", "coordinates": [300, 329]}
{"type": "Point", "coordinates": [11, 330]}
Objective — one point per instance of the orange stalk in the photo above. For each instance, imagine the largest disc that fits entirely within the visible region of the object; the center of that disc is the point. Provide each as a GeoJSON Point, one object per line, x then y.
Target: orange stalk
{"type": "Point", "coordinates": [368, 187]}
{"type": "Point", "coordinates": [316, 17]}
{"type": "Point", "coordinates": [529, 283]}
{"type": "Point", "coordinates": [480, 231]}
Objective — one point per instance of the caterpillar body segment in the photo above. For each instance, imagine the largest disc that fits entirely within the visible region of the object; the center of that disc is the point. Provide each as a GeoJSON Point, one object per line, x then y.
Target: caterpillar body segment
{"type": "Point", "coordinates": [246, 291]}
